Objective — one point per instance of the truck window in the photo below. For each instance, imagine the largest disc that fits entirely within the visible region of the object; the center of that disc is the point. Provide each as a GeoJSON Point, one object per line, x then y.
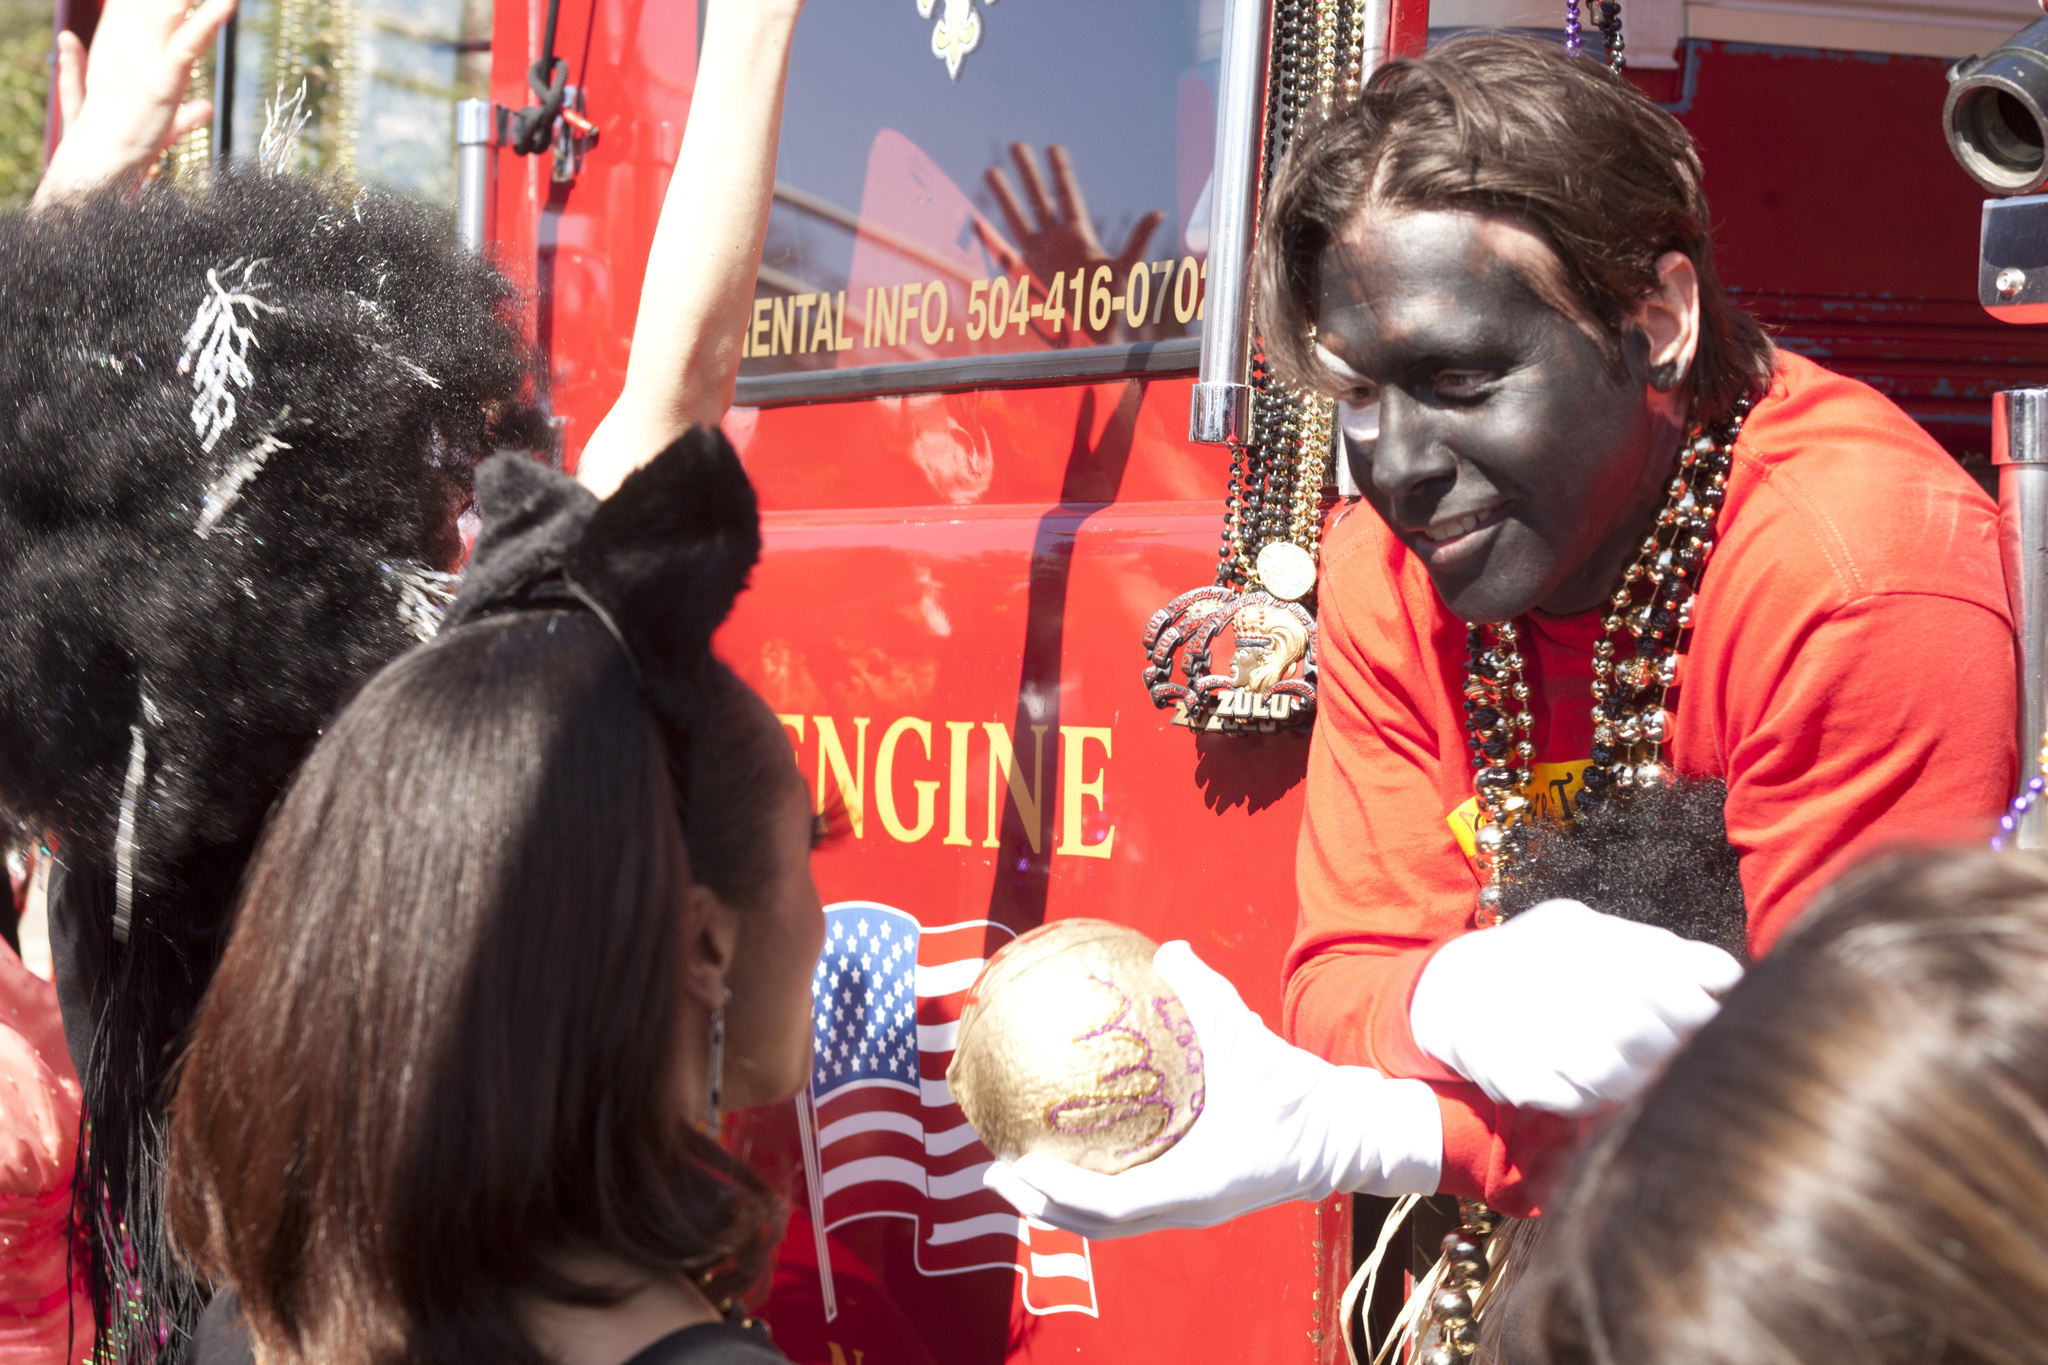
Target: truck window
{"type": "Point", "coordinates": [983, 190]}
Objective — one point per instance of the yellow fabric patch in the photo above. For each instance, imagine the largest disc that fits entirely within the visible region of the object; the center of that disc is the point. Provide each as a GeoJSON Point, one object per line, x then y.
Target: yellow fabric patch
{"type": "Point", "coordinates": [1552, 792]}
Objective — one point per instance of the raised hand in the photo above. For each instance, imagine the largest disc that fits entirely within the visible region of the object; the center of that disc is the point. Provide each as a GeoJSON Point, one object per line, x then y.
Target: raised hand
{"type": "Point", "coordinates": [125, 103]}
{"type": "Point", "coordinates": [707, 246]}
{"type": "Point", "coordinates": [1052, 240]}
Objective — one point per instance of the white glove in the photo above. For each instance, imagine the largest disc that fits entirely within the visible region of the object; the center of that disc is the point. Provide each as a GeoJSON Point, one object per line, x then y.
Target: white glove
{"type": "Point", "coordinates": [1566, 1009]}
{"type": "Point", "coordinates": [1277, 1124]}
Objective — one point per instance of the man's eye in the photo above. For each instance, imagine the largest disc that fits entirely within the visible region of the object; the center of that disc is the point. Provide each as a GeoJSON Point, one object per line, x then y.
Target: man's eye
{"type": "Point", "coordinates": [1462, 383]}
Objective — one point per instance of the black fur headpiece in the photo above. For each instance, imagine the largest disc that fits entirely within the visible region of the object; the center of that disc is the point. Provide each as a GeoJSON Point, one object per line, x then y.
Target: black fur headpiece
{"type": "Point", "coordinates": [236, 429]}
{"type": "Point", "coordinates": [659, 562]}
{"type": "Point", "coordinates": [382, 365]}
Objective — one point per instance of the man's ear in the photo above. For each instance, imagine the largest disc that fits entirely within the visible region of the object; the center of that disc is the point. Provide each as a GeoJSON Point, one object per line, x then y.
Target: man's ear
{"type": "Point", "coordinates": [1670, 321]}
{"type": "Point", "coordinates": [710, 932]}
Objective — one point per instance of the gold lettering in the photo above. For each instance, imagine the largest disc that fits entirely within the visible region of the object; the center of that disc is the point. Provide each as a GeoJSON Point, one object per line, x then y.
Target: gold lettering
{"type": "Point", "coordinates": [794, 724]}
{"type": "Point", "coordinates": [882, 315]}
{"type": "Point", "coordinates": [1002, 759]}
{"type": "Point", "coordinates": [956, 789]}
{"type": "Point", "coordinates": [785, 317]}
{"type": "Point", "coordinates": [905, 312]}
{"type": "Point", "coordinates": [839, 1356]}
{"type": "Point", "coordinates": [852, 780]}
{"type": "Point", "coordinates": [867, 321]}
{"type": "Point", "coordinates": [841, 341]}
{"type": "Point", "coordinates": [821, 335]}
{"type": "Point", "coordinates": [885, 793]}
{"type": "Point", "coordinates": [759, 335]}
{"type": "Point", "coordinates": [1073, 759]}
{"type": "Point", "coordinates": [800, 307]}
{"type": "Point", "coordinates": [928, 325]}
{"type": "Point", "coordinates": [1187, 291]}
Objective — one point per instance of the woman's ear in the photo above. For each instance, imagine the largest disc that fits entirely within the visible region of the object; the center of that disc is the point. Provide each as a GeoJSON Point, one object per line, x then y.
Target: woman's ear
{"type": "Point", "coordinates": [1670, 320]}
{"type": "Point", "coordinates": [710, 932]}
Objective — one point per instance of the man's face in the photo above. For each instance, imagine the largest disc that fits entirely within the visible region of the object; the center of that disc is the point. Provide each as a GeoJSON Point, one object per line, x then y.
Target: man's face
{"type": "Point", "coordinates": [1517, 462]}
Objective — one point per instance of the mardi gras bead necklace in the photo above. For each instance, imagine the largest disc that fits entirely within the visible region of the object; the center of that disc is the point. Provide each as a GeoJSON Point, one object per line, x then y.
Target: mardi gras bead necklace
{"type": "Point", "coordinates": [1454, 1303]}
{"type": "Point", "coordinates": [1635, 662]}
{"type": "Point", "coordinates": [1647, 617]}
{"type": "Point", "coordinates": [2030, 795]}
{"type": "Point", "coordinates": [1607, 21]}
{"type": "Point", "coordinates": [1266, 563]}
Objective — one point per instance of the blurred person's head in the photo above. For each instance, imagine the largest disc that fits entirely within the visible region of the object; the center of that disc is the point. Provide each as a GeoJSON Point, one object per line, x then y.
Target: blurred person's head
{"type": "Point", "coordinates": [1508, 249]}
{"type": "Point", "coordinates": [1850, 1163]}
{"type": "Point", "coordinates": [459, 1043]}
{"type": "Point", "coordinates": [238, 424]}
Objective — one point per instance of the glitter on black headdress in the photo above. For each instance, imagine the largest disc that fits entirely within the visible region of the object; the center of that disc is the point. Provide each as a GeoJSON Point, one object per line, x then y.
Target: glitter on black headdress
{"type": "Point", "coordinates": [236, 428]}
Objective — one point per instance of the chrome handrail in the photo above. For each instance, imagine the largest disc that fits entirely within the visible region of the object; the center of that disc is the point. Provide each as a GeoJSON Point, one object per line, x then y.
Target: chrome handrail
{"type": "Point", "coordinates": [1221, 408]}
{"type": "Point", "coordinates": [2019, 449]}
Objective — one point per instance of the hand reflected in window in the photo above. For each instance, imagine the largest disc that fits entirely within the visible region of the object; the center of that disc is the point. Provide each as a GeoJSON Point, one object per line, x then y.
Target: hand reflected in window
{"type": "Point", "coordinates": [1056, 237]}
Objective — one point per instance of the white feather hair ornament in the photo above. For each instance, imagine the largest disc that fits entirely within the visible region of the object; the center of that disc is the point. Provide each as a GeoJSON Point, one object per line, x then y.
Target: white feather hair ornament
{"type": "Point", "coordinates": [223, 493]}
{"type": "Point", "coordinates": [284, 118]}
{"type": "Point", "coordinates": [424, 595]}
{"type": "Point", "coordinates": [217, 347]}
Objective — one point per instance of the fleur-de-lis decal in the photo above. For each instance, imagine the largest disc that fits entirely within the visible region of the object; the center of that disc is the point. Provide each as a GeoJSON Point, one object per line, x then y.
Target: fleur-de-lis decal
{"type": "Point", "coordinates": [957, 33]}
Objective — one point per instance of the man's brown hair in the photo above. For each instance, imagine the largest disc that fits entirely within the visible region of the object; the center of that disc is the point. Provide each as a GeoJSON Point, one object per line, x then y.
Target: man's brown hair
{"type": "Point", "coordinates": [1498, 125]}
{"type": "Point", "coordinates": [1851, 1162]}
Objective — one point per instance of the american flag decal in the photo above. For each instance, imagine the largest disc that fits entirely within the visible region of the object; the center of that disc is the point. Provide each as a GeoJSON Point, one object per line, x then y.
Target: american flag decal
{"type": "Point", "coordinates": [883, 1137]}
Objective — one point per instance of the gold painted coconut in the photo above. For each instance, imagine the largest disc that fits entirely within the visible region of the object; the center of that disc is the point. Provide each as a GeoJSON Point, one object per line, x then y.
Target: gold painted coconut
{"type": "Point", "coordinates": [1072, 1045]}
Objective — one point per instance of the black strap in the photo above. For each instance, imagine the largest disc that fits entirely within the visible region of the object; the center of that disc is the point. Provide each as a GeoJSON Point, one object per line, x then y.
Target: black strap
{"type": "Point", "coordinates": [712, 1343]}
{"type": "Point", "coordinates": [533, 128]}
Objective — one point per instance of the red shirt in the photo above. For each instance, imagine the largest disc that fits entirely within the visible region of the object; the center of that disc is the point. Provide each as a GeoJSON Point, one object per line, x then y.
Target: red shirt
{"type": "Point", "coordinates": [1850, 676]}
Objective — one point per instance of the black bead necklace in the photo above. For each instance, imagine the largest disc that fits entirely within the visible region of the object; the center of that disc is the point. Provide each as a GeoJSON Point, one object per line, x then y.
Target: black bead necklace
{"type": "Point", "coordinates": [1607, 21]}
{"type": "Point", "coordinates": [1647, 616]}
{"type": "Point", "coordinates": [1650, 613]}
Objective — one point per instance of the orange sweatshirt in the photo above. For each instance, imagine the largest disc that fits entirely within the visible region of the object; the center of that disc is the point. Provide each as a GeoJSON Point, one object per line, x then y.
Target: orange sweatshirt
{"type": "Point", "coordinates": [1850, 675]}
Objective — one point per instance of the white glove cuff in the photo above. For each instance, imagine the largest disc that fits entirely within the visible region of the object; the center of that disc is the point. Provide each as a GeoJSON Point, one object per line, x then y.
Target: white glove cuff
{"type": "Point", "coordinates": [1438, 1008]}
{"type": "Point", "coordinates": [1404, 1130]}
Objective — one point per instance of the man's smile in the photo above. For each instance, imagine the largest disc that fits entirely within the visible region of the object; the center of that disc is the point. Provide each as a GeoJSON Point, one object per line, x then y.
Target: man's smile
{"type": "Point", "coordinates": [1444, 542]}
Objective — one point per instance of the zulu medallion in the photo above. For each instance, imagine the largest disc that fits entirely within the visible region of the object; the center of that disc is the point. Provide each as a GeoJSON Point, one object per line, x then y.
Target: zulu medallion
{"type": "Point", "coordinates": [1271, 684]}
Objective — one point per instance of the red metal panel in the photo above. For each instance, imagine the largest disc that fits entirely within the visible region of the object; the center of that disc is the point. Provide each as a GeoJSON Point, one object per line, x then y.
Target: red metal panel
{"type": "Point", "coordinates": [1408, 28]}
{"type": "Point", "coordinates": [1842, 222]}
{"type": "Point", "coordinates": [990, 558]}
{"type": "Point", "coordinates": [581, 247]}
{"type": "Point", "coordinates": [987, 559]}
{"type": "Point", "coordinates": [973, 560]}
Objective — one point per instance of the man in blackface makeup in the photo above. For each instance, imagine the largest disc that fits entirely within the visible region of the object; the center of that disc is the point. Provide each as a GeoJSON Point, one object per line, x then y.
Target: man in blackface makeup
{"type": "Point", "coordinates": [1715, 563]}
{"type": "Point", "coordinates": [1642, 612]}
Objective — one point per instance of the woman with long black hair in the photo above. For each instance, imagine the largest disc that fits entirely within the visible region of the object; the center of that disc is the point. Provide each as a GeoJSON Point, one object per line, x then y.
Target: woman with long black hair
{"type": "Point", "coordinates": [535, 909]}
{"type": "Point", "coordinates": [238, 422]}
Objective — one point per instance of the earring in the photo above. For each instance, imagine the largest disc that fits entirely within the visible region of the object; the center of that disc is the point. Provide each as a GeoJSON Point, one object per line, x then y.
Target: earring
{"type": "Point", "coordinates": [715, 1067]}
{"type": "Point", "coordinates": [1664, 378]}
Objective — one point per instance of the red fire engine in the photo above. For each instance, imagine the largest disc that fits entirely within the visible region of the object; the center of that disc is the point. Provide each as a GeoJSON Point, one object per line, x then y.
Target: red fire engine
{"type": "Point", "coordinates": [977, 493]}
{"type": "Point", "coordinates": [1006, 269]}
